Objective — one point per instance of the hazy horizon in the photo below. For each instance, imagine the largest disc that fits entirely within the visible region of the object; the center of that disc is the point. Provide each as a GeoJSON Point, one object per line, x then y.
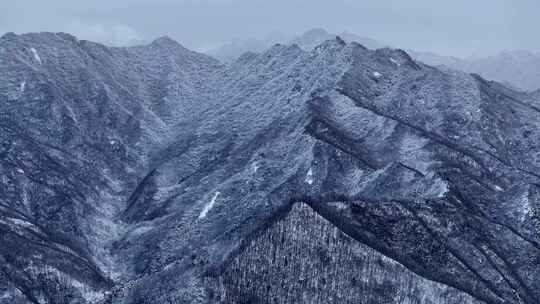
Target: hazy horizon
{"type": "Point", "coordinates": [460, 28]}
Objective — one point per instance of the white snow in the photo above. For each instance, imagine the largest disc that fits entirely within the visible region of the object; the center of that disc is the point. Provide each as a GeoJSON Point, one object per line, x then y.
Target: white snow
{"type": "Point", "coordinates": [255, 167]}
{"type": "Point", "coordinates": [309, 177]}
{"type": "Point", "coordinates": [22, 86]}
{"type": "Point", "coordinates": [339, 205]}
{"type": "Point", "coordinates": [395, 61]}
{"type": "Point", "coordinates": [209, 205]}
{"type": "Point", "coordinates": [88, 293]}
{"type": "Point", "coordinates": [106, 230]}
{"type": "Point", "coordinates": [36, 55]}
{"type": "Point", "coordinates": [5, 295]}
{"type": "Point", "coordinates": [526, 209]}
{"type": "Point", "coordinates": [22, 223]}
{"type": "Point", "coordinates": [443, 187]}
{"type": "Point", "coordinates": [377, 74]}
{"type": "Point", "coordinates": [24, 193]}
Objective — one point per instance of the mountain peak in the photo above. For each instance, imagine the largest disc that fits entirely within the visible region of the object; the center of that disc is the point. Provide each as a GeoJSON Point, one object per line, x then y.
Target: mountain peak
{"type": "Point", "coordinates": [315, 33]}
{"type": "Point", "coordinates": [339, 40]}
{"type": "Point", "coordinates": [8, 36]}
{"type": "Point", "coordinates": [331, 44]}
{"type": "Point", "coordinates": [166, 42]}
{"type": "Point", "coordinates": [43, 37]}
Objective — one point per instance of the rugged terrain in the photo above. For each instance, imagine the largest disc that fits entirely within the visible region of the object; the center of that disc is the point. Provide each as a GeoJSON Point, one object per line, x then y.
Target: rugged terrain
{"type": "Point", "coordinates": [517, 69]}
{"type": "Point", "coordinates": [155, 174]}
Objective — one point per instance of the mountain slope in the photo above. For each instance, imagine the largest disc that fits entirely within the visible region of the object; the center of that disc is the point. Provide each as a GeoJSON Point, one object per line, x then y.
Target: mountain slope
{"type": "Point", "coordinates": [78, 121]}
{"type": "Point", "coordinates": [139, 175]}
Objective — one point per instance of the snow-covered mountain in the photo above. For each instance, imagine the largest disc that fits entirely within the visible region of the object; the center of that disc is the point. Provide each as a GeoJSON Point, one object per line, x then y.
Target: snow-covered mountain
{"type": "Point", "coordinates": [516, 69]}
{"type": "Point", "coordinates": [155, 174]}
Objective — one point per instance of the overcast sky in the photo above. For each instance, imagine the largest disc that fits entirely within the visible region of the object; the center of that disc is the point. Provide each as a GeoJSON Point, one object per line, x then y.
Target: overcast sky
{"type": "Point", "coordinates": [456, 27]}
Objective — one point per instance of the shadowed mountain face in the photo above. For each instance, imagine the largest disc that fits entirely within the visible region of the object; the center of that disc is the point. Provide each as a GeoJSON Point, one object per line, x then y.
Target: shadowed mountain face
{"type": "Point", "coordinates": [303, 258]}
{"type": "Point", "coordinates": [154, 174]}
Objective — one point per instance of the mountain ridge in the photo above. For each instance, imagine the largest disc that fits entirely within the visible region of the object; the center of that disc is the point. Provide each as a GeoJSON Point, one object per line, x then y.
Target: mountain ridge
{"type": "Point", "coordinates": [514, 68]}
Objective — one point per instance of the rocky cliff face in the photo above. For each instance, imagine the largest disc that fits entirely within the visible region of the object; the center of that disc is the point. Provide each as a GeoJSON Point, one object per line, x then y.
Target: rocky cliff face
{"type": "Point", "coordinates": [154, 174]}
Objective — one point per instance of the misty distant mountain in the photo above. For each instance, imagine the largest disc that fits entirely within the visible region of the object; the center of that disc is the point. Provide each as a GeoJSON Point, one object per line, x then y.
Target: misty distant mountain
{"type": "Point", "coordinates": [231, 51]}
{"type": "Point", "coordinates": [338, 174]}
{"type": "Point", "coordinates": [312, 38]}
{"type": "Point", "coordinates": [307, 41]}
{"type": "Point", "coordinates": [519, 69]}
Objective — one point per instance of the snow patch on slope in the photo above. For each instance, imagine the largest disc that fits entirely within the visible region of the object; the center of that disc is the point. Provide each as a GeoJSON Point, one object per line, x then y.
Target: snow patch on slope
{"type": "Point", "coordinates": [36, 55]}
{"type": "Point", "coordinates": [255, 167]}
{"type": "Point", "coordinates": [209, 206]}
{"type": "Point", "coordinates": [309, 177]}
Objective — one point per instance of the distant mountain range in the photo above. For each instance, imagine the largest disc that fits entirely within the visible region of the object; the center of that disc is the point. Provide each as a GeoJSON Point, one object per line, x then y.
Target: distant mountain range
{"type": "Point", "coordinates": [519, 69]}
{"type": "Point", "coordinates": [307, 41]}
